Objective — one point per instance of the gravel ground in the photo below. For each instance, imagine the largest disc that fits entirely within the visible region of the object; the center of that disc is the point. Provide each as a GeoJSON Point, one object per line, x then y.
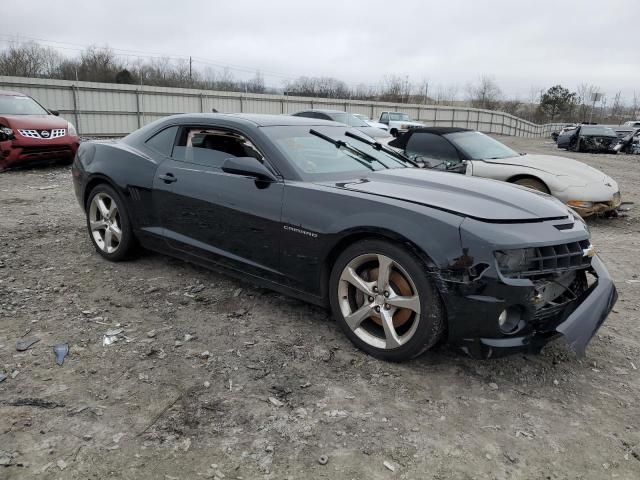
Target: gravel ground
{"type": "Point", "coordinates": [213, 378]}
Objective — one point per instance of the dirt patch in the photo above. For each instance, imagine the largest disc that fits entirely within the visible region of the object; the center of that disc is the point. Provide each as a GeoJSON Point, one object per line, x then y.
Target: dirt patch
{"type": "Point", "coordinates": [212, 378]}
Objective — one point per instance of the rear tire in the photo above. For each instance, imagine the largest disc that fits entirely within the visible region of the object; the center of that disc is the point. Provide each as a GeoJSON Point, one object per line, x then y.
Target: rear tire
{"type": "Point", "coordinates": [384, 301]}
{"type": "Point", "coordinates": [533, 184]}
{"type": "Point", "coordinates": [108, 224]}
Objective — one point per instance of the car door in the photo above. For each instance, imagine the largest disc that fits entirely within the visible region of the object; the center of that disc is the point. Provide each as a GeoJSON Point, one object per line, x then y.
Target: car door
{"type": "Point", "coordinates": [230, 219]}
{"type": "Point", "coordinates": [435, 151]}
{"type": "Point", "coordinates": [568, 138]}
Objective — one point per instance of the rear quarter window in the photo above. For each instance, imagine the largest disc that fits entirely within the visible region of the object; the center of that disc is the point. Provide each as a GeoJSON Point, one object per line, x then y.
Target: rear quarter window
{"type": "Point", "coordinates": [163, 141]}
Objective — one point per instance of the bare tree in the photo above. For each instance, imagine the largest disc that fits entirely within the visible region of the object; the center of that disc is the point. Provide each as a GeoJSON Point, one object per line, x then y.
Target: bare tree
{"type": "Point", "coordinates": [29, 60]}
{"type": "Point", "coordinates": [256, 84]}
{"type": "Point", "coordinates": [484, 94]}
{"type": "Point", "coordinates": [512, 106]}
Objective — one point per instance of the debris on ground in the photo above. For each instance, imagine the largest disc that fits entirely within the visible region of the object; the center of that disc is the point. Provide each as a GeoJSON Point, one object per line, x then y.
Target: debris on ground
{"type": "Point", "coordinates": [389, 466]}
{"type": "Point", "coordinates": [61, 350]}
{"type": "Point", "coordinates": [111, 336]}
{"type": "Point", "coordinates": [34, 402]}
{"type": "Point", "coordinates": [26, 344]}
{"type": "Point", "coordinates": [323, 459]}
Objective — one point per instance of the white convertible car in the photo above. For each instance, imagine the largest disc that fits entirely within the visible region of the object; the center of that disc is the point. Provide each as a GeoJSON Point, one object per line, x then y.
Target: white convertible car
{"type": "Point", "coordinates": [587, 190]}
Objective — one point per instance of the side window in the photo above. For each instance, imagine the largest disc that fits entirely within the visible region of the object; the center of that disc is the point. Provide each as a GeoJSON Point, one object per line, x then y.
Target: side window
{"type": "Point", "coordinates": [163, 141]}
{"type": "Point", "coordinates": [431, 146]}
{"type": "Point", "coordinates": [211, 147]}
{"type": "Point", "coordinates": [384, 118]}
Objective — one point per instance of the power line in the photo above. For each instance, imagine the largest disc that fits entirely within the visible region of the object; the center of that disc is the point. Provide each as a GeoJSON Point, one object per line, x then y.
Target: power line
{"type": "Point", "coordinates": [138, 54]}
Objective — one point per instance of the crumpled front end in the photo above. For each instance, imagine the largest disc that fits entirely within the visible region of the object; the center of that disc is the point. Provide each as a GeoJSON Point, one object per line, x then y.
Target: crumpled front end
{"type": "Point", "coordinates": [595, 144]}
{"type": "Point", "coordinates": [533, 283]}
{"type": "Point", "coordinates": [23, 150]}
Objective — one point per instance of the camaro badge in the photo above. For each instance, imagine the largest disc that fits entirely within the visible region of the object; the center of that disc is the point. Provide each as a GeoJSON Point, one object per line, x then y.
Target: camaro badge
{"type": "Point", "coordinates": [301, 231]}
{"type": "Point", "coordinates": [590, 251]}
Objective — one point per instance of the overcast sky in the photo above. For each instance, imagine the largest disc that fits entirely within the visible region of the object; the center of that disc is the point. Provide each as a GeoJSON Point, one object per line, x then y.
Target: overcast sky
{"type": "Point", "coordinates": [520, 44]}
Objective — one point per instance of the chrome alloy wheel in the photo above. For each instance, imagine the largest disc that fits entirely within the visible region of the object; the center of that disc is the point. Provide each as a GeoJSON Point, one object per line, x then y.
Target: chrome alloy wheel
{"type": "Point", "coordinates": [379, 301]}
{"type": "Point", "coordinates": [104, 222]}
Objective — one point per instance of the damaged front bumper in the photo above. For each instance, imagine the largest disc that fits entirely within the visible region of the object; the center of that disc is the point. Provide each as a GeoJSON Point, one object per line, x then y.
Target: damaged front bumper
{"type": "Point", "coordinates": [589, 209]}
{"type": "Point", "coordinates": [597, 144]}
{"type": "Point", "coordinates": [577, 320]}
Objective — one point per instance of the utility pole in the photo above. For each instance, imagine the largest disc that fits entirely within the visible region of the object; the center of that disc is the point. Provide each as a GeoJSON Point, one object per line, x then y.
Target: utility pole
{"type": "Point", "coordinates": [190, 64]}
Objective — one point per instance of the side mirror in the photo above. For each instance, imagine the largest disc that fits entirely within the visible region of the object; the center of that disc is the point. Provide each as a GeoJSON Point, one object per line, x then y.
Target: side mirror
{"type": "Point", "coordinates": [54, 112]}
{"type": "Point", "coordinates": [249, 167]}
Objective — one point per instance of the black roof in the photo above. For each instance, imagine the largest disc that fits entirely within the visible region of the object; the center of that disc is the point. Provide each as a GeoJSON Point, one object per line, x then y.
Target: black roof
{"type": "Point", "coordinates": [439, 130]}
{"type": "Point", "coordinates": [401, 142]}
{"type": "Point", "coordinates": [258, 119]}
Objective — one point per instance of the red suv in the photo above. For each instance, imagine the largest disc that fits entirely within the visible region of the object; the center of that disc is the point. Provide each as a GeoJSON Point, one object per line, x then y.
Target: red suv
{"type": "Point", "coordinates": [29, 132]}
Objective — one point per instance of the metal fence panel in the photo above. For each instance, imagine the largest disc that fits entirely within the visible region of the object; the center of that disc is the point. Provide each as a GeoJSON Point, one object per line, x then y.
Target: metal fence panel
{"type": "Point", "coordinates": [104, 109]}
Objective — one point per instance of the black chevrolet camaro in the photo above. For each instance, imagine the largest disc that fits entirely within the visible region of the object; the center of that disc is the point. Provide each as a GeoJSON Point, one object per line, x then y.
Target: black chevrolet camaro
{"type": "Point", "coordinates": [404, 257]}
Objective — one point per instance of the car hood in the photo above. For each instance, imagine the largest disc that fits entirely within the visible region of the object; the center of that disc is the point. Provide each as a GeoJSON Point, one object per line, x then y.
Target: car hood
{"type": "Point", "coordinates": [45, 122]}
{"type": "Point", "coordinates": [374, 132]}
{"type": "Point", "coordinates": [558, 166]}
{"type": "Point", "coordinates": [373, 123]}
{"type": "Point", "coordinates": [410, 123]}
{"type": "Point", "coordinates": [481, 199]}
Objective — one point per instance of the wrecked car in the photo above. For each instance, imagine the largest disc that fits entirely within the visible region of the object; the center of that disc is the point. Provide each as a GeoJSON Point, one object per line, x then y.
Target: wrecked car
{"type": "Point", "coordinates": [629, 141]}
{"type": "Point", "coordinates": [555, 134]}
{"type": "Point", "coordinates": [583, 188]}
{"type": "Point", "coordinates": [403, 257]}
{"type": "Point", "coordinates": [30, 133]}
{"type": "Point", "coordinates": [589, 139]}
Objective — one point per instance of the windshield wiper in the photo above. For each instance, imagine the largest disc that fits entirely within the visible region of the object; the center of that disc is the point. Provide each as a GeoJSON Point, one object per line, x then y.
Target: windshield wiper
{"type": "Point", "coordinates": [342, 144]}
{"type": "Point", "coordinates": [380, 147]}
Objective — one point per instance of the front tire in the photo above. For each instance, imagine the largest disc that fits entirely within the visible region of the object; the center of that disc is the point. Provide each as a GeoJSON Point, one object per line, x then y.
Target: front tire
{"type": "Point", "coordinates": [108, 224]}
{"type": "Point", "coordinates": [384, 301]}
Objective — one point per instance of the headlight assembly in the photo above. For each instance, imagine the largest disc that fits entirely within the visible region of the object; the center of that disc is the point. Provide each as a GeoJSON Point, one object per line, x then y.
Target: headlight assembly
{"type": "Point", "coordinates": [71, 129]}
{"type": "Point", "coordinates": [516, 260]}
{"type": "Point", "coordinates": [579, 204]}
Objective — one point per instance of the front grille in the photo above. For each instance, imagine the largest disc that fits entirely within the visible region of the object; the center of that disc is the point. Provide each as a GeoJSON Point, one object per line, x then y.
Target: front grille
{"type": "Point", "coordinates": [553, 259]}
{"type": "Point", "coordinates": [43, 134]}
{"type": "Point", "coordinates": [35, 153]}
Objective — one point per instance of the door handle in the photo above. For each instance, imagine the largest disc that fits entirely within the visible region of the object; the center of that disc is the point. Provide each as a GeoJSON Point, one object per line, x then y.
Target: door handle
{"type": "Point", "coordinates": [168, 178]}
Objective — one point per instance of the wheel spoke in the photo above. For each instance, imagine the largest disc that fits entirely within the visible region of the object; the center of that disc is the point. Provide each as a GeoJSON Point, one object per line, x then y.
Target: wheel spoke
{"type": "Point", "coordinates": [108, 238]}
{"type": "Point", "coordinates": [98, 225]}
{"type": "Point", "coordinates": [355, 319]}
{"type": "Point", "coordinates": [104, 211]}
{"type": "Point", "coordinates": [350, 275]}
{"type": "Point", "coordinates": [384, 270]}
{"type": "Point", "coordinates": [116, 232]}
{"type": "Point", "coordinates": [113, 209]}
{"type": "Point", "coordinates": [412, 303]}
{"type": "Point", "coordinates": [391, 336]}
